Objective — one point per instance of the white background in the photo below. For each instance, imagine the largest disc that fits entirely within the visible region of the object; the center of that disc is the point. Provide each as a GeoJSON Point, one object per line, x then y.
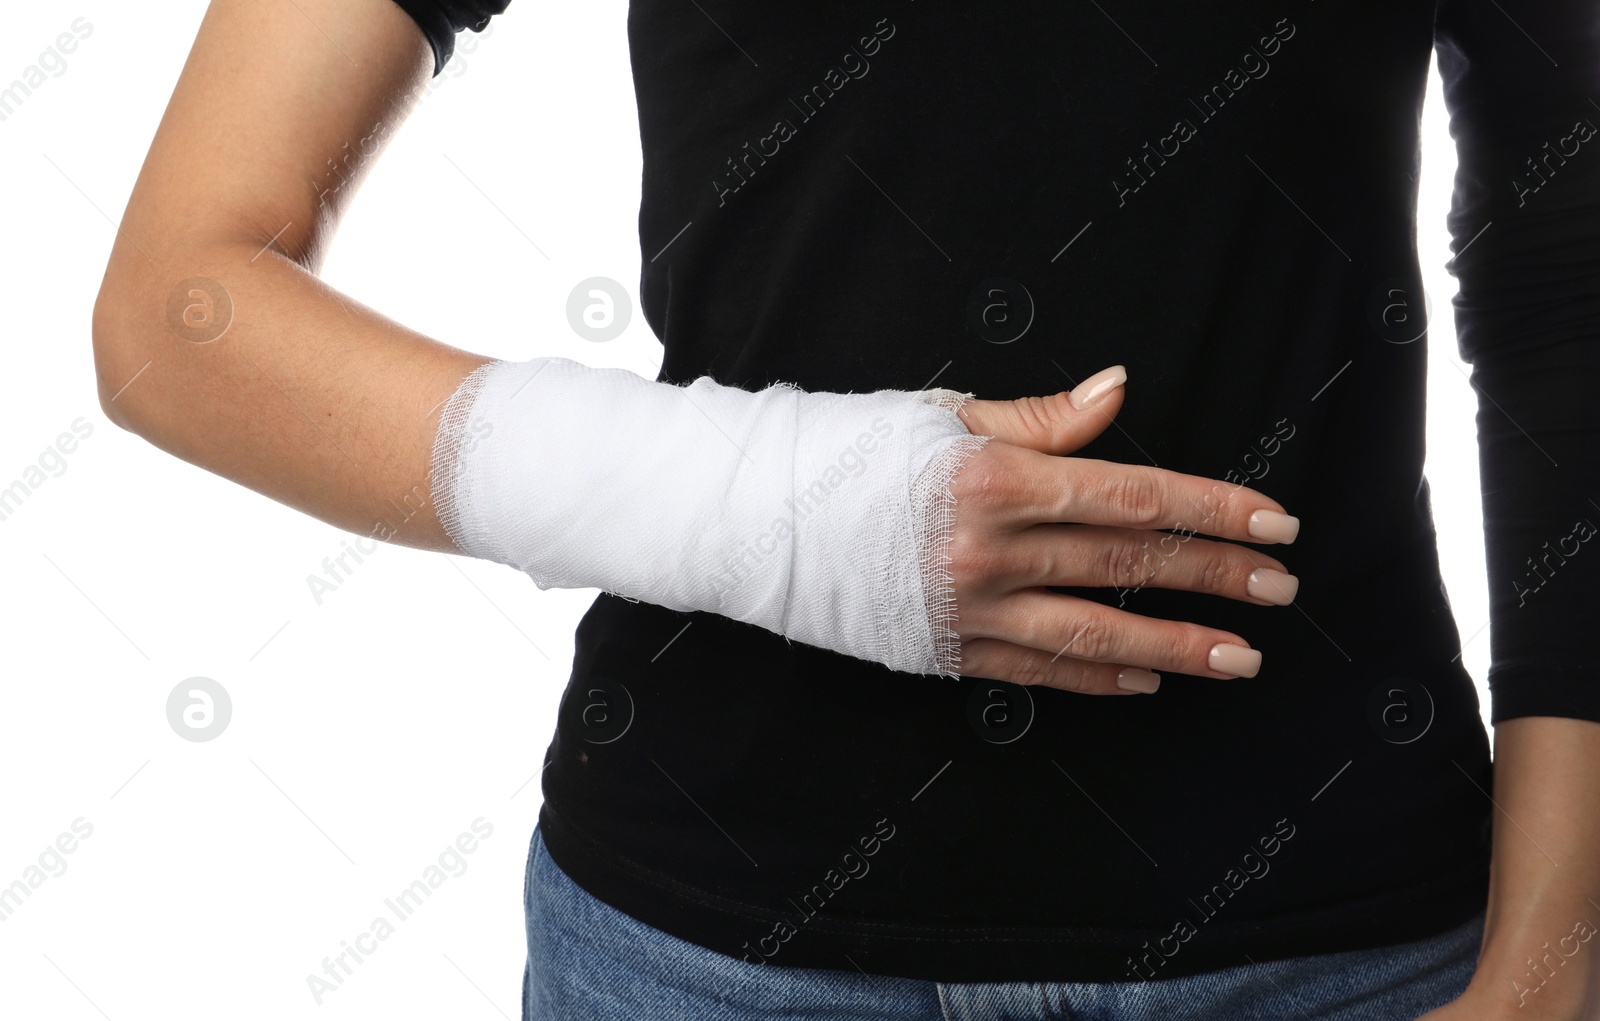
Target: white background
{"type": "Point", "coordinates": [372, 729]}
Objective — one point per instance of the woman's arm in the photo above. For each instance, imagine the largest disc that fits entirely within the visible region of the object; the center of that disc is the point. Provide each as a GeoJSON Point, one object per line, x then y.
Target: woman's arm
{"type": "Point", "coordinates": [330, 408]}
{"type": "Point", "coordinates": [1545, 879]}
{"type": "Point", "coordinates": [307, 397]}
{"type": "Point", "coordinates": [1525, 225]}
{"type": "Point", "coordinates": [1540, 960]}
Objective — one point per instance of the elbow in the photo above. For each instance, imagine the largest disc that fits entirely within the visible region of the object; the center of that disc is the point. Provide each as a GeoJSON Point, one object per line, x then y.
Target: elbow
{"type": "Point", "coordinates": [121, 357]}
{"type": "Point", "coordinates": [111, 357]}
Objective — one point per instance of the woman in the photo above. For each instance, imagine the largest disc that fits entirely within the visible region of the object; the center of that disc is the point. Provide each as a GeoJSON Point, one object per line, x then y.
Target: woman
{"type": "Point", "coordinates": [1285, 812]}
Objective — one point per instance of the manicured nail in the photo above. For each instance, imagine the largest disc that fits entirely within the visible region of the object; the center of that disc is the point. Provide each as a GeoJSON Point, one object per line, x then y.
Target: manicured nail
{"type": "Point", "coordinates": [1274, 527]}
{"type": "Point", "coordinates": [1143, 681]}
{"type": "Point", "coordinates": [1227, 658]}
{"type": "Point", "coordinates": [1097, 386]}
{"type": "Point", "coordinates": [1273, 585]}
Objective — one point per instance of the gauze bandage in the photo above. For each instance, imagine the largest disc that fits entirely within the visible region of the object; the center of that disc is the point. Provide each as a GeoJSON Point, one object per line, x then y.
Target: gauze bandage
{"type": "Point", "coordinates": [819, 516]}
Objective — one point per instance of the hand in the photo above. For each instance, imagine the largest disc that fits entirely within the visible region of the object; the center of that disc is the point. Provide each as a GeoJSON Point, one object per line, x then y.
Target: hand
{"type": "Point", "coordinates": [1027, 517]}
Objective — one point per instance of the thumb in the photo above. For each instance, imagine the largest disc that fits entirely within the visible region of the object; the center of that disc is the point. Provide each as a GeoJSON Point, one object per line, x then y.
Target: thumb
{"type": "Point", "coordinates": [1057, 424]}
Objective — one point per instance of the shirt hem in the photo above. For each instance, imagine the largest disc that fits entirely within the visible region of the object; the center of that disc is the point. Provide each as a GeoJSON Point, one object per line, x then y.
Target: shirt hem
{"type": "Point", "coordinates": [1004, 953]}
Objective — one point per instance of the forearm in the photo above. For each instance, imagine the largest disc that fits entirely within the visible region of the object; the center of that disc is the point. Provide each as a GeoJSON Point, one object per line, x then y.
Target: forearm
{"type": "Point", "coordinates": [308, 397]}
{"type": "Point", "coordinates": [1539, 958]}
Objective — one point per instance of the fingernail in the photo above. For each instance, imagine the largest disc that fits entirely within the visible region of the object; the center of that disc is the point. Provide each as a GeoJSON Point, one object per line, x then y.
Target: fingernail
{"type": "Point", "coordinates": [1227, 658]}
{"type": "Point", "coordinates": [1097, 386]}
{"type": "Point", "coordinates": [1143, 681]}
{"type": "Point", "coordinates": [1274, 527]}
{"type": "Point", "coordinates": [1273, 585]}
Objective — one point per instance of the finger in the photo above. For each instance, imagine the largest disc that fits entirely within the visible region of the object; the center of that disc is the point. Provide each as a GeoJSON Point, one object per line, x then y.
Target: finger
{"type": "Point", "coordinates": [1108, 556]}
{"type": "Point", "coordinates": [1055, 424]}
{"type": "Point", "coordinates": [1067, 626]}
{"type": "Point", "coordinates": [1005, 661]}
{"type": "Point", "coordinates": [1096, 492]}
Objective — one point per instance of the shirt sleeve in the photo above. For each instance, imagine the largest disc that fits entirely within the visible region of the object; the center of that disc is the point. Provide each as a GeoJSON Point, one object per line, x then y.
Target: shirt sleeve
{"type": "Point", "coordinates": [440, 20]}
{"type": "Point", "coordinates": [1521, 83]}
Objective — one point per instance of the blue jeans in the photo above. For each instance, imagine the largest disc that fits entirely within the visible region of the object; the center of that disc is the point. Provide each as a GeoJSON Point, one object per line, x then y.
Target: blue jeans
{"type": "Point", "coordinates": [589, 961]}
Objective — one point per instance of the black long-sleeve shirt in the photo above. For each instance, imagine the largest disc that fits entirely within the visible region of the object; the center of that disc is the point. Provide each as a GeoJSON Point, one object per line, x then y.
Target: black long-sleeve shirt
{"type": "Point", "coordinates": [1004, 198]}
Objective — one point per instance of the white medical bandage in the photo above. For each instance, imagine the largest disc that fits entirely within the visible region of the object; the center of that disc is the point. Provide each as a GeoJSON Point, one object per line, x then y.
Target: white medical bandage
{"type": "Point", "coordinates": [819, 516]}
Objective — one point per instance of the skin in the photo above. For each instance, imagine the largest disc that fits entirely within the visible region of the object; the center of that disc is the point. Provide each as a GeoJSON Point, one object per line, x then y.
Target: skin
{"type": "Point", "coordinates": [1544, 873]}
{"type": "Point", "coordinates": [309, 397]}
{"type": "Point", "coordinates": [325, 405]}
{"type": "Point", "coordinates": [1028, 516]}
{"type": "Point", "coordinates": [318, 402]}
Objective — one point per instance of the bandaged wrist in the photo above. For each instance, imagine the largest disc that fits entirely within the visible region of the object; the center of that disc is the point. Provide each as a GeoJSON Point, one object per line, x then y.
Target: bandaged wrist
{"type": "Point", "coordinates": [819, 516]}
